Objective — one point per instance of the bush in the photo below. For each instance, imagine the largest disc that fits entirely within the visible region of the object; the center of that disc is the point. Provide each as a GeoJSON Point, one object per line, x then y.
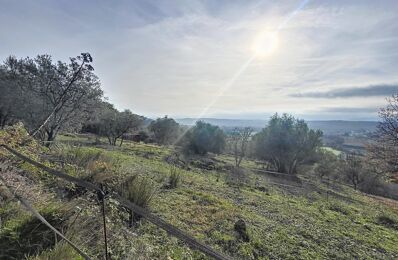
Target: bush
{"type": "Point", "coordinates": [203, 138]}
{"type": "Point", "coordinates": [327, 165]}
{"type": "Point", "coordinates": [139, 191]}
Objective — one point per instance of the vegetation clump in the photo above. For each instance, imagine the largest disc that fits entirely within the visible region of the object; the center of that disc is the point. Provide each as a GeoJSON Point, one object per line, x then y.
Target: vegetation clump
{"type": "Point", "coordinates": [387, 221]}
{"type": "Point", "coordinates": [204, 138]}
{"type": "Point", "coordinates": [240, 228]}
{"type": "Point", "coordinates": [174, 178]}
{"type": "Point", "coordinates": [287, 143]}
{"type": "Point", "coordinates": [165, 130]}
{"type": "Point", "coordinates": [138, 190]}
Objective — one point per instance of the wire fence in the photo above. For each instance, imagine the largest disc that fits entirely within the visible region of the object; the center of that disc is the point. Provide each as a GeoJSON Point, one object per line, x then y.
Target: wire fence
{"type": "Point", "coordinates": [29, 207]}
{"type": "Point", "coordinates": [172, 230]}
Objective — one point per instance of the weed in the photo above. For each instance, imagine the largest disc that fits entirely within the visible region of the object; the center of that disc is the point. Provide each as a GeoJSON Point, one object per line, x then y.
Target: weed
{"type": "Point", "coordinates": [174, 178]}
{"type": "Point", "coordinates": [138, 190]}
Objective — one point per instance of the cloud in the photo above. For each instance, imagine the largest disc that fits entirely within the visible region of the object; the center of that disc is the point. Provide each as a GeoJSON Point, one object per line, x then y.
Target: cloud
{"type": "Point", "coordinates": [349, 110]}
{"type": "Point", "coordinates": [160, 57]}
{"type": "Point", "coordinates": [368, 91]}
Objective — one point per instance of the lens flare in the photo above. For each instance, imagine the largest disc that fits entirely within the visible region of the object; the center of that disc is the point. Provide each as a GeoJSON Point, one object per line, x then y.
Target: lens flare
{"type": "Point", "coordinates": [265, 44]}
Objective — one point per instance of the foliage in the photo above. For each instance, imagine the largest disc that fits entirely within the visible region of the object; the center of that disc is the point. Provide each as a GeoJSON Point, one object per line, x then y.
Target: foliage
{"type": "Point", "coordinates": [204, 138]}
{"type": "Point", "coordinates": [281, 224]}
{"type": "Point", "coordinates": [48, 96]}
{"type": "Point", "coordinates": [286, 143]}
{"type": "Point", "coordinates": [165, 130]}
{"type": "Point", "coordinates": [328, 164]}
{"type": "Point", "coordinates": [138, 190]}
{"type": "Point", "coordinates": [113, 124]}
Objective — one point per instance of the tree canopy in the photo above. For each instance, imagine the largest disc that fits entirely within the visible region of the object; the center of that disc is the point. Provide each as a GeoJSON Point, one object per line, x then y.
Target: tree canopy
{"type": "Point", "coordinates": [286, 143]}
{"type": "Point", "coordinates": [112, 124]}
{"type": "Point", "coordinates": [48, 96]}
{"type": "Point", "coordinates": [204, 138]}
{"type": "Point", "coordinates": [165, 130]}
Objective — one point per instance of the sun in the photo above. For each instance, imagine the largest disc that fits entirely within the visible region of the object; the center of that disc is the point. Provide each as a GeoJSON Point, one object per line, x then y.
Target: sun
{"type": "Point", "coordinates": [265, 43]}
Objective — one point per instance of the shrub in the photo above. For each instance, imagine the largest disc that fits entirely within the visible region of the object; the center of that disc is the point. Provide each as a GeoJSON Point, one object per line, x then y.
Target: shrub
{"type": "Point", "coordinates": [138, 190]}
{"type": "Point", "coordinates": [203, 138]}
{"type": "Point", "coordinates": [327, 165]}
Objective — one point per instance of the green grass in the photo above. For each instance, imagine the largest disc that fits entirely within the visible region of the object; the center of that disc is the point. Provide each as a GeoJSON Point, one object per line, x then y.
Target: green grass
{"type": "Point", "coordinates": [280, 225]}
{"type": "Point", "coordinates": [332, 150]}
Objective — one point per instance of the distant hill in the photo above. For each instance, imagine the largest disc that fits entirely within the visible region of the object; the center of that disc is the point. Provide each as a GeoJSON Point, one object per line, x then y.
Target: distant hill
{"type": "Point", "coordinates": [327, 126]}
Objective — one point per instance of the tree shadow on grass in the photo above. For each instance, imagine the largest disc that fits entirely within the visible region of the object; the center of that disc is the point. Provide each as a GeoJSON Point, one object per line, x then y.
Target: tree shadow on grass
{"type": "Point", "coordinates": [28, 238]}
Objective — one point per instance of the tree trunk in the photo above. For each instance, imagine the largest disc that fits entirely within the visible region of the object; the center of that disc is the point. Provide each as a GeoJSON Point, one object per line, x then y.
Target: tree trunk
{"type": "Point", "coordinates": [131, 218]}
{"type": "Point", "coordinates": [50, 137]}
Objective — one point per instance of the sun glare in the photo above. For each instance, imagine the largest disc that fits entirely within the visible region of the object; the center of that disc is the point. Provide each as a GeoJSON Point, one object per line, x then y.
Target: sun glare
{"type": "Point", "coordinates": [265, 44]}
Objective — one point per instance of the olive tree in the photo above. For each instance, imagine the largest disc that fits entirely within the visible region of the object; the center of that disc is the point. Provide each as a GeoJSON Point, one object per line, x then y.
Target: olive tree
{"type": "Point", "coordinates": [114, 124]}
{"type": "Point", "coordinates": [287, 143]}
{"type": "Point", "coordinates": [203, 138]}
{"type": "Point", "coordinates": [52, 96]}
{"type": "Point", "coordinates": [165, 130]}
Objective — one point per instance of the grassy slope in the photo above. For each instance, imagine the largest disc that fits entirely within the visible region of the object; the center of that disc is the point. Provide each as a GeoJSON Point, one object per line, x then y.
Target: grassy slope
{"type": "Point", "coordinates": [280, 225]}
{"type": "Point", "coordinates": [332, 150]}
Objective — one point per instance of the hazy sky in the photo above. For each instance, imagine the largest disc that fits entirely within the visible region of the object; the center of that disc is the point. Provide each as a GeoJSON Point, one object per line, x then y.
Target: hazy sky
{"type": "Point", "coordinates": [329, 59]}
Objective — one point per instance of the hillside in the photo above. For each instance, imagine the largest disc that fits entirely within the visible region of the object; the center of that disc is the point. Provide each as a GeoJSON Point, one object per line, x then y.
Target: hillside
{"type": "Point", "coordinates": [286, 218]}
{"type": "Point", "coordinates": [327, 126]}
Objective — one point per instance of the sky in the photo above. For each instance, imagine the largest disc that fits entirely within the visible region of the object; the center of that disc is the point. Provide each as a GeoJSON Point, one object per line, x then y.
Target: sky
{"type": "Point", "coordinates": [330, 59]}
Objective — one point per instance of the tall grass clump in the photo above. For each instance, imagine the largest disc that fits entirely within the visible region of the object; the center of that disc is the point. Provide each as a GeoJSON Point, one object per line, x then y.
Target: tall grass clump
{"type": "Point", "coordinates": [174, 178]}
{"type": "Point", "coordinates": [80, 156]}
{"type": "Point", "coordinates": [138, 190]}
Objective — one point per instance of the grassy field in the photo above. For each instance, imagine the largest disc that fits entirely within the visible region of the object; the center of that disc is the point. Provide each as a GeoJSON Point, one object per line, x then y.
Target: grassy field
{"type": "Point", "coordinates": [285, 220]}
{"type": "Point", "coordinates": [332, 150]}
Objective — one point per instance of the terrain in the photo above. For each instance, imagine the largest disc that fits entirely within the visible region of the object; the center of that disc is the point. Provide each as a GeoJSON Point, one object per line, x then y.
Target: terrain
{"type": "Point", "coordinates": [285, 218]}
{"type": "Point", "coordinates": [328, 127]}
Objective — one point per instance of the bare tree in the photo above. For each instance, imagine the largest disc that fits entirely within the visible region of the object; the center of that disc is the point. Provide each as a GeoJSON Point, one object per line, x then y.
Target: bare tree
{"type": "Point", "coordinates": [353, 169]}
{"type": "Point", "coordinates": [240, 138]}
{"type": "Point", "coordinates": [384, 150]}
